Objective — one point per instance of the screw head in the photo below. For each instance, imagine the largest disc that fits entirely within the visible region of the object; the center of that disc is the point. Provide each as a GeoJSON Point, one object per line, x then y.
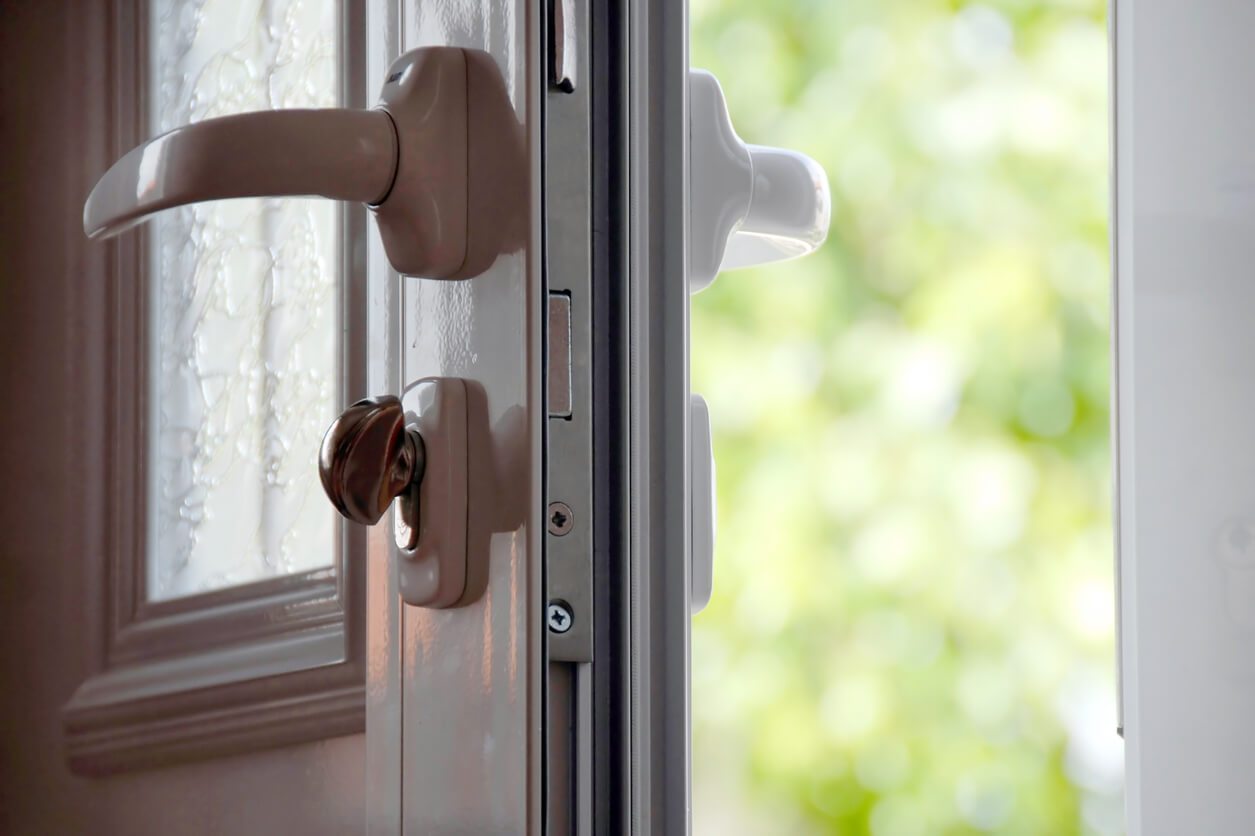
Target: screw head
{"type": "Point", "coordinates": [560, 519]}
{"type": "Point", "coordinates": [559, 617]}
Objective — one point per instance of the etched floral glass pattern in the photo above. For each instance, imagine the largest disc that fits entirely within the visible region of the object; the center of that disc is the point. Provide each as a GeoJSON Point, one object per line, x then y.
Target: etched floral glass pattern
{"type": "Point", "coordinates": [244, 312]}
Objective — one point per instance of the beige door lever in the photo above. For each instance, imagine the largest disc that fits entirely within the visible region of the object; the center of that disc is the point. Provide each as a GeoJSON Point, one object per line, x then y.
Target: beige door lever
{"type": "Point", "coordinates": [410, 159]}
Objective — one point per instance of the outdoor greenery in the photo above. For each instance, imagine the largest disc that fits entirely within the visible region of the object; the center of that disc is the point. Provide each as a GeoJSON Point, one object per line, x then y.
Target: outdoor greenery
{"type": "Point", "coordinates": [912, 624]}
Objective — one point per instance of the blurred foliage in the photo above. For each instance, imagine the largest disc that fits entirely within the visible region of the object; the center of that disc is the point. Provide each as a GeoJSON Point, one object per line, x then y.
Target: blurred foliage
{"type": "Point", "coordinates": [912, 624]}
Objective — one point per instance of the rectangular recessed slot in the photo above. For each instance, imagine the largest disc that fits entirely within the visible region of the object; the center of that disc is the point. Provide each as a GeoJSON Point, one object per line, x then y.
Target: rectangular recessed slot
{"type": "Point", "coordinates": [559, 355]}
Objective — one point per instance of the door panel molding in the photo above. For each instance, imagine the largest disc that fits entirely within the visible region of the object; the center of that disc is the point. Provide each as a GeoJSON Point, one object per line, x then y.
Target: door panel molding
{"type": "Point", "coordinates": [215, 703]}
{"type": "Point", "coordinates": [242, 668]}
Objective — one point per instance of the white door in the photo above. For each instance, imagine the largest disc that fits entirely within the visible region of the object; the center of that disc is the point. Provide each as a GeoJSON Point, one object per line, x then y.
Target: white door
{"type": "Point", "coordinates": [218, 693]}
{"type": "Point", "coordinates": [202, 646]}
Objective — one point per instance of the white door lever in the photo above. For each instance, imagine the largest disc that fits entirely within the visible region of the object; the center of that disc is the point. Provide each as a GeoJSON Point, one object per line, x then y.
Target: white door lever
{"type": "Point", "coordinates": [340, 154]}
{"type": "Point", "coordinates": [409, 159]}
{"type": "Point", "coordinates": [748, 204]}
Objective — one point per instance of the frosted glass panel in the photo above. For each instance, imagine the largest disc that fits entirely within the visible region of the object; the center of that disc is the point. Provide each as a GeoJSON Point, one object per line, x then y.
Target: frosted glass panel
{"type": "Point", "coordinates": [244, 307]}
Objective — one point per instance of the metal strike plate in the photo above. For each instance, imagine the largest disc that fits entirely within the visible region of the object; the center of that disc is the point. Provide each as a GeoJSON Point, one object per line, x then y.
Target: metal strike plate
{"type": "Point", "coordinates": [434, 572]}
{"type": "Point", "coordinates": [569, 523]}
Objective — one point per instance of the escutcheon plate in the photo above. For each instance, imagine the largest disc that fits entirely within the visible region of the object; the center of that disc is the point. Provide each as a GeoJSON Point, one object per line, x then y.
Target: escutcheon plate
{"type": "Point", "coordinates": [433, 573]}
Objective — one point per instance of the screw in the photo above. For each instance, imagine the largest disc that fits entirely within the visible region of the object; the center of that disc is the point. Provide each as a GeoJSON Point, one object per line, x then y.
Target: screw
{"type": "Point", "coordinates": [560, 518]}
{"type": "Point", "coordinates": [559, 617]}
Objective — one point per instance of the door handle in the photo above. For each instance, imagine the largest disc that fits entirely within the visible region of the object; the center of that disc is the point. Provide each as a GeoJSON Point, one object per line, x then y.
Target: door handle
{"type": "Point", "coordinates": [748, 204]}
{"type": "Point", "coordinates": [340, 154]}
{"type": "Point", "coordinates": [407, 159]}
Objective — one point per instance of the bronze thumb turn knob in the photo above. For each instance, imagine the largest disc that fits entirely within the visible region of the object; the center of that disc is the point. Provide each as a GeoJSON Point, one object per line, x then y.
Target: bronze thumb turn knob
{"type": "Point", "coordinates": [368, 458]}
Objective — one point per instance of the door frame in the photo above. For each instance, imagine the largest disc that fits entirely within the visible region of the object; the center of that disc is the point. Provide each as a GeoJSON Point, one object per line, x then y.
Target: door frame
{"type": "Point", "coordinates": [657, 73]}
{"type": "Point", "coordinates": [619, 730]}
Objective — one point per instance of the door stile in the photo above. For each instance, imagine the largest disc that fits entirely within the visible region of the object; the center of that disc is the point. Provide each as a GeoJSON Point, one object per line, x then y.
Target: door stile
{"type": "Point", "coordinates": [454, 724]}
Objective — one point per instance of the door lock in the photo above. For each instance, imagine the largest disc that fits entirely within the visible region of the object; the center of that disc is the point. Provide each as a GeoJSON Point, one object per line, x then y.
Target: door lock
{"type": "Point", "coordinates": [439, 161]}
{"type": "Point", "coordinates": [412, 448]}
{"type": "Point", "coordinates": [368, 458]}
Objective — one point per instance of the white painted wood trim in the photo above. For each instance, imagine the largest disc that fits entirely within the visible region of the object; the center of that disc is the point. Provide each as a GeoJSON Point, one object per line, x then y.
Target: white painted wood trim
{"type": "Point", "coordinates": [269, 693]}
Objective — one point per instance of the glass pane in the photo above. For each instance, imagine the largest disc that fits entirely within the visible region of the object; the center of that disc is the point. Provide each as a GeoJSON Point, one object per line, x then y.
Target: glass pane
{"type": "Point", "coordinates": [245, 308]}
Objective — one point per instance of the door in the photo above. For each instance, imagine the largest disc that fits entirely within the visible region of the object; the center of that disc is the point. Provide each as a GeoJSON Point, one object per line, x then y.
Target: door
{"type": "Point", "coordinates": [238, 704]}
{"type": "Point", "coordinates": [241, 702]}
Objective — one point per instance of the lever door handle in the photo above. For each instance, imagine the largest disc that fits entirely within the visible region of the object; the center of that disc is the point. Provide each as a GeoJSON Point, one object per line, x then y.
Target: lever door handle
{"type": "Point", "coordinates": [748, 204]}
{"type": "Point", "coordinates": [407, 159]}
{"type": "Point", "coordinates": [340, 154]}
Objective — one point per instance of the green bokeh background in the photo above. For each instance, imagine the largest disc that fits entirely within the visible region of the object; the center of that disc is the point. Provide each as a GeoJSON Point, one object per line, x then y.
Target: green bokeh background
{"type": "Point", "coordinates": [912, 624]}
